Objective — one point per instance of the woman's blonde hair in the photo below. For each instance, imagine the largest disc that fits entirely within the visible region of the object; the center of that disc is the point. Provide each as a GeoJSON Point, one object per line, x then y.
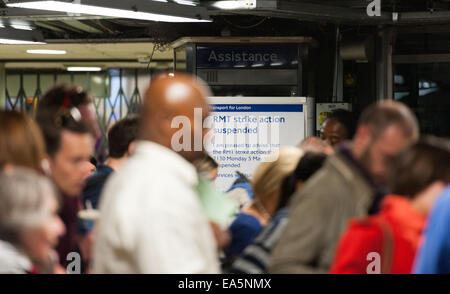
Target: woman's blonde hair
{"type": "Point", "coordinates": [269, 175]}
{"type": "Point", "coordinates": [21, 141]}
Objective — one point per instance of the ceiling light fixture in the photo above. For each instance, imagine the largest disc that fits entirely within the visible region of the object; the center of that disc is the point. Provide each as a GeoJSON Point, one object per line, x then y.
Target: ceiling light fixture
{"type": "Point", "coordinates": [134, 9]}
{"type": "Point", "coordinates": [84, 68]}
{"type": "Point", "coordinates": [22, 27]}
{"type": "Point", "coordinates": [21, 37]}
{"type": "Point", "coordinates": [46, 51]}
{"type": "Point", "coordinates": [234, 4]}
{"type": "Point", "coordinates": [185, 2]}
{"type": "Point", "coordinates": [17, 42]}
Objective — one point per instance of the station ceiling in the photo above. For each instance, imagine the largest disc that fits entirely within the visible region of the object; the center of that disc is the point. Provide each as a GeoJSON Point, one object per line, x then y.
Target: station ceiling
{"type": "Point", "coordinates": [57, 26]}
{"type": "Point", "coordinates": [105, 55]}
{"type": "Point", "coordinates": [109, 39]}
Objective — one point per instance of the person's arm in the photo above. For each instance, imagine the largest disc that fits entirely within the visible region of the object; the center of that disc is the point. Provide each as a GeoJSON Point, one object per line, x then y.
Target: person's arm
{"type": "Point", "coordinates": [222, 236]}
{"type": "Point", "coordinates": [430, 258]}
{"type": "Point", "coordinates": [355, 245]}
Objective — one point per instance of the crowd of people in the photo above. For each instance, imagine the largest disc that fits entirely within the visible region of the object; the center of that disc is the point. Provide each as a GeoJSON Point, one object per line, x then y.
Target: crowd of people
{"type": "Point", "coordinates": [370, 195]}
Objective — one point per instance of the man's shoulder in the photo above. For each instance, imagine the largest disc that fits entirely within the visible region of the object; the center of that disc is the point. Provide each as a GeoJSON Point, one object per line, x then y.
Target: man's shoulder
{"type": "Point", "coordinates": [444, 198]}
{"type": "Point", "coordinates": [324, 180]}
{"type": "Point", "coordinates": [99, 176]}
{"type": "Point", "coordinates": [95, 183]}
{"type": "Point", "coordinates": [245, 221]}
{"type": "Point", "coordinates": [329, 188]}
{"type": "Point", "coordinates": [336, 177]}
{"type": "Point", "coordinates": [441, 207]}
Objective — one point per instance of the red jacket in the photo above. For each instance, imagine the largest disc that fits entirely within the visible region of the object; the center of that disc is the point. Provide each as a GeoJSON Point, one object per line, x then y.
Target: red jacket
{"type": "Point", "coordinates": [394, 233]}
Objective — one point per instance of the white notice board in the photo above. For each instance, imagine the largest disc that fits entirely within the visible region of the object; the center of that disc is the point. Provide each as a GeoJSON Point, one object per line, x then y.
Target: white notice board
{"type": "Point", "coordinates": [247, 129]}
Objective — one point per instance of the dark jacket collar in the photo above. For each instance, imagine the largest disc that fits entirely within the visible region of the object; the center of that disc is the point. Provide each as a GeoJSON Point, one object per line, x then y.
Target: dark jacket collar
{"type": "Point", "coordinates": [345, 151]}
{"type": "Point", "coordinates": [380, 191]}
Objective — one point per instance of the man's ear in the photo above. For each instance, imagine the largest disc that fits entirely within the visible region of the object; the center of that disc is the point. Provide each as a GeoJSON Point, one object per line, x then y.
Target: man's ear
{"type": "Point", "coordinates": [163, 125]}
{"type": "Point", "coordinates": [166, 122]}
{"type": "Point", "coordinates": [363, 134]}
{"type": "Point", "coordinates": [298, 185]}
{"type": "Point", "coordinates": [46, 165]}
{"type": "Point", "coordinates": [131, 147]}
{"type": "Point", "coordinates": [361, 140]}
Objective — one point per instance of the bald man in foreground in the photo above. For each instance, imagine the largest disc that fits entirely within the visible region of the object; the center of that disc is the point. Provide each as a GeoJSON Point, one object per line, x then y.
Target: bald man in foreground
{"type": "Point", "coordinates": [151, 220]}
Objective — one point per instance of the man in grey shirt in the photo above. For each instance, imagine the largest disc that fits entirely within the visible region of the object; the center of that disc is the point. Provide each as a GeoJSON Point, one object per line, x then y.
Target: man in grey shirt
{"type": "Point", "coordinates": [347, 186]}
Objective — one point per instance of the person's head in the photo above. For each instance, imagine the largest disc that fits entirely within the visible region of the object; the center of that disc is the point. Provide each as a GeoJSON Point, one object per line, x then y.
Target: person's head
{"type": "Point", "coordinates": [207, 167]}
{"type": "Point", "coordinates": [168, 114]}
{"type": "Point", "coordinates": [122, 136]}
{"type": "Point", "coordinates": [69, 148]}
{"type": "Point", "coordinates": [63, 96]}
{"type": "Point", "coordinates": [418, 167]}
{"type": "Point", "coordinates": [21, 141]}
{"type": "Point", "coordinates": [314, 144]}
{"type": "Point", "coordinates": [29, 213]}
{"type": "Point", "coordinates": [306, 167]}
{"type": "Point", "coordinates": [269, 175]}
{"type": "Point", "coordinates": [384, 129]}
{"type": "Point", "coordinates": [339, 126]}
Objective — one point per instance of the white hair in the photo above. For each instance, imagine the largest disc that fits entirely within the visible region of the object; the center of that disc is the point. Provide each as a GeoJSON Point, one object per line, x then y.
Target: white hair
{"type": "Point", "coordinates": [24, 204]}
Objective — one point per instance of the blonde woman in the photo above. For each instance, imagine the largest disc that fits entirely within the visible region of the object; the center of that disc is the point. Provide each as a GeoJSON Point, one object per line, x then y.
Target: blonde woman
{"type": "Point", "coordinates": [266, 184]}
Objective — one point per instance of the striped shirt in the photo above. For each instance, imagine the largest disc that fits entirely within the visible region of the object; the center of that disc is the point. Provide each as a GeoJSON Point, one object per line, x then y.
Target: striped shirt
{"type": "Point", "coordinates": [255, 258]}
